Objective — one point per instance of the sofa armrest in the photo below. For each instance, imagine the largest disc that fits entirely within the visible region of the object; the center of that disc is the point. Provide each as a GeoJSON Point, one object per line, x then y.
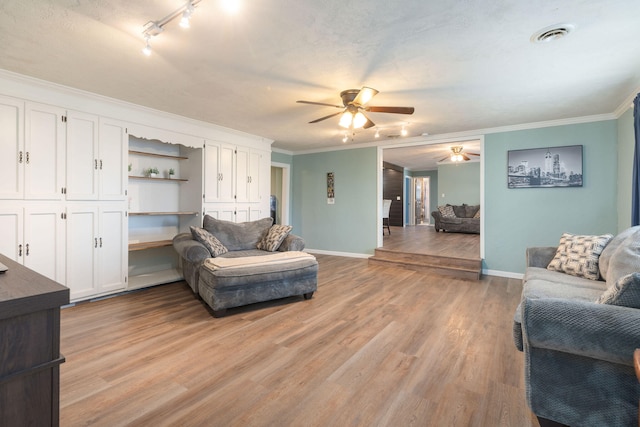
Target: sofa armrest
{"type": "Point", "coordinates": [598, 331]}
{"type": "Point", "coordinates": [540, 256]}
{"type": "Point", "coordinates": [190, 249]}
{"type": "Point", "coordinates": [291, 243]}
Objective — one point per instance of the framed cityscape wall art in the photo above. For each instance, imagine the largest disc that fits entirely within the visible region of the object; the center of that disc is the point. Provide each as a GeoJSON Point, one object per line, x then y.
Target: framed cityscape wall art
{"type": "Point", "coordinates": [545, 167]}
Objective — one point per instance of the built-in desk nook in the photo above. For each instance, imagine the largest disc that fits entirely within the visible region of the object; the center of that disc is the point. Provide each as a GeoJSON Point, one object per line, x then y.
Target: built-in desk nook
{"type": "Point", "coordinates": [29, 346]}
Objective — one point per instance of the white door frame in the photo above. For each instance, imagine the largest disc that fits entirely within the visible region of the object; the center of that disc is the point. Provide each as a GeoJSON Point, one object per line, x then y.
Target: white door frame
{"type": "Point", "coordinates": [286, 190]}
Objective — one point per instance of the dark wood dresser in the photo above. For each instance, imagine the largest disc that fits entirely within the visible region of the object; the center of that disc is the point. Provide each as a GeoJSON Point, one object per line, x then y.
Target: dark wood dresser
{"type": "Point", "coordinates": [29, 347]}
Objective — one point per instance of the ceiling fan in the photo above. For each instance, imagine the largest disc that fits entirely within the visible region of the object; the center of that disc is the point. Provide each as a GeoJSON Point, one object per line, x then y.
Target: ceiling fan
{"type": "Point", "coordinates": [457, 155]}
{"type": "Point", "coordinates": [354, 105]}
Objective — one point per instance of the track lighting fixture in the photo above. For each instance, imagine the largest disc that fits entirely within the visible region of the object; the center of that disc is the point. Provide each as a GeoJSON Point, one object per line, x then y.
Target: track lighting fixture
{"type": "Point", "coordinates": [153, 28]}
{"type": "Point", "coordinates": [377, 135]}
{"type": "Point", "coordinates": [404, 131]}
{"type": "Point", "coordinates": [345, 138]}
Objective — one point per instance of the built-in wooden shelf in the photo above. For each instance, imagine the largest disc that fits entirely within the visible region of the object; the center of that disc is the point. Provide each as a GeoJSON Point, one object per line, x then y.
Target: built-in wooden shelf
{"type": "Point", "coordinates": [140, 246]}
{"type": "Point", "coordinates": [167, 156]}
{"type": "Point", "coordinates": [158, 179]}
{"type": "Point", "coordinates": [161, 213]}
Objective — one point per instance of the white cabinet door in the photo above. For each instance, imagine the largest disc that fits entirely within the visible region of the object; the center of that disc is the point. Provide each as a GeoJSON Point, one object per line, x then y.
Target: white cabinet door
{"type": "Point", "coordinates": [256, 170]}
{"type": "Point", "coordinates": [11, 219]}
{"type": "Point", "coordinates": [82, 156]}
{"type": "Point", "coordinates": [44, 152]}
{"type": "Point", "coordinates": [11, 148]}
{"type": "Point", "coordinates": [112, 251]}
{"type": "Point", "coordinates": [221, 211]}
{"type": "Point", "coordinates": [242, 175]}
{"type": "Point", "coordinates": [82, 254]}
{"type": "Point", "coordinates": [43, 249]}
{"type": "Point", "coordinates": [112, 163]}
{"type": "Point", "coordinates": [219, 172]}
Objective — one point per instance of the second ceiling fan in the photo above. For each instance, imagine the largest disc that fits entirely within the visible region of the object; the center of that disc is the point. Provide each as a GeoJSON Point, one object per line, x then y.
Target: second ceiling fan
{"type": "Point", "coordinates": [354, 105]}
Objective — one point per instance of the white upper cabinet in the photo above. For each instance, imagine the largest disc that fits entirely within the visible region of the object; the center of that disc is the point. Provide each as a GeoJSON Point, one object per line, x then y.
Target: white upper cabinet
{"type": "Point", "coordinates": [95, 158]}
{"type": "Point", "coordinates": [219, 172]}
{"type": "Point", "coordinates": [44, 152]}
{"type": "Point", "coordinates": [11, 148]}
{"type": "Point", "coordinates": [82, 156]}
{"type": "Point", "coordinates": [113, 170]}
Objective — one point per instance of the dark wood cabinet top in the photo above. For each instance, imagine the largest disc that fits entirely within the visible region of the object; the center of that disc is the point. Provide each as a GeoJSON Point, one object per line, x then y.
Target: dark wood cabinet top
{"type": "Point", "coordinates": [23, 291]}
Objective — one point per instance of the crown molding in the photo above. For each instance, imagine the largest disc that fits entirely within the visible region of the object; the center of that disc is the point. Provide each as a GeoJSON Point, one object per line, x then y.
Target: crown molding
{"type": "Point", "coordinates": [282, 151]}
{"type": "Point", "coordinates": [626, 104]}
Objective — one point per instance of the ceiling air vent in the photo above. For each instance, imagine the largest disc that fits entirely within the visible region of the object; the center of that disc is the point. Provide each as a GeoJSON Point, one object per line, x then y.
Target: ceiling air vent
{"type": "Point", "coordinates": [552, 33]}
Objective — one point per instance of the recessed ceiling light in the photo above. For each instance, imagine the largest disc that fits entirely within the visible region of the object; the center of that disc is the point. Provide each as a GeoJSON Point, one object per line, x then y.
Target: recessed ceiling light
{"type": "Point", "coordinates": [552, 33]}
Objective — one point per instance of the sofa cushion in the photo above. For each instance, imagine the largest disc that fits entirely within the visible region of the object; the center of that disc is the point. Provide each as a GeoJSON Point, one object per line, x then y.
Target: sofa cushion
{"type": "Point", "coordinates": [447, 211]}
{"type": "Point", "coordinates": [272, 240]}
{"type": "Point", "coordinates": [612, 246]}
{"type": "Point", "coordinates": [460, 211]}
{"type": "Point", "coordinates": [471, 210]}
{"type": "Point", "coordinates": [625, 259]}
{"type": "Point", "coordinates": [562, 279]}
{"type": "Point", "coordinates": [625, 292]}
{"type": "Point", "coordinates": [238, 236]}
{"type": "Point", "coordinates": [209, 241]}
{"type": "Point", "coordinates": [578, 255]}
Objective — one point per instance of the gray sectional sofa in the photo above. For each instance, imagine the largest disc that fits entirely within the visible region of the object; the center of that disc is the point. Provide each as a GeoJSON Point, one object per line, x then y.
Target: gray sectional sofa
{"type": "Point", "coordinates": [463, 220]}
{"type": "Point", "coordinates": [578, 336]}
{"type": "Point", "coordinates": [245, 274]}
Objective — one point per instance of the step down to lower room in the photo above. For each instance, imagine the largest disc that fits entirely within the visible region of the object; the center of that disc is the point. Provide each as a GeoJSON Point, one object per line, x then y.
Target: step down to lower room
{"type": "Point", "coordinates": [463, 268]}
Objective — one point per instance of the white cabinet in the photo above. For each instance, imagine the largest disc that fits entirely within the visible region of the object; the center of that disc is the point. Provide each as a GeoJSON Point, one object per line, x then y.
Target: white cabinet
{"type": "Point", "coordinates": [249, 164]}
{"type": "Point", "coordinates": [96, 249]}
{"type": "Point", "coordinates": [34, 237]}
{"type": "Point", "coordinates": [95, 158]}
{"type": "Point", "coordinates": [11, 148]}
{"type": "Point", "coordinates": [219, 172]}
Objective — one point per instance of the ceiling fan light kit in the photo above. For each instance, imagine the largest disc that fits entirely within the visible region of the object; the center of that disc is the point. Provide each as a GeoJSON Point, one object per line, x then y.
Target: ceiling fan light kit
{"type": "Point", "coordinates": [354, 105]}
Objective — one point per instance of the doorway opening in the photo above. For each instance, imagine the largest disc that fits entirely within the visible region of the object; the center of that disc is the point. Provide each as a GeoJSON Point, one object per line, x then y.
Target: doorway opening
{"type": "Point", "coordinates": [280, 186]}
{"type": "Point", "coordinates": [419, 206]}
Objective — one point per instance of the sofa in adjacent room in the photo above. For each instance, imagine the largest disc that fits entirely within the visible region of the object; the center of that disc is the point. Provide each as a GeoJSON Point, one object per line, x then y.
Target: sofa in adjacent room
{"type": "Point", "coordinates": [457, 218]}
{"type": "Point", "coordinates": [231, 264]}
{"type": "Point", "coordinates": [578, 325]}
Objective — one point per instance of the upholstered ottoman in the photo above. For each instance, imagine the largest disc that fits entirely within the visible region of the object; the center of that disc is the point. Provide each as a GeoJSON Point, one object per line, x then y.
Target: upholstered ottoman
{"type": "Point", "coordinates": [233, 282]}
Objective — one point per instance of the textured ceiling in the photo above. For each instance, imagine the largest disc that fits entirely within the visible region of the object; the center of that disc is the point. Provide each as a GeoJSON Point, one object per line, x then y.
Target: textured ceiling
{"type": "Point", "coordinates": [463, 65]}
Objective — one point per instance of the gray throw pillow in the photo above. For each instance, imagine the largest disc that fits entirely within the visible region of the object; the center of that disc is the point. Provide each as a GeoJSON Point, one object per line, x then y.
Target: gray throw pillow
{"type": "Point", "coordinates": [209, 241]}
{"type": "Point", "coordinates": [578, 255]}
{"type": "Point", "coordinates": [272, 241]}
{"type": "Point", "coordinates": [447, 211]}
{"type": "Point", "coordinates": [612, 247]}
{"type": "Point", "coordinates": [238, 236]}
{"type": "Point", "coordinates": [625, 292]}
{"type": "Point", "coordinates": [625, 259]}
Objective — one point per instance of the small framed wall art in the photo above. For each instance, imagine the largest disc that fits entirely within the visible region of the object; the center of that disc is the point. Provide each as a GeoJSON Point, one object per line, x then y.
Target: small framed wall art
{"type": "Point", "coordinates": [330, 189]}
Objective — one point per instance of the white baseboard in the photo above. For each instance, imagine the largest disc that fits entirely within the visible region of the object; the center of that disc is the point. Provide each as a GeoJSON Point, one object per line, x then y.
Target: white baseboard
{"type": "Point", "coordinates": [499, 273]}
{"type": "Point", "coordinates": [334, 253]}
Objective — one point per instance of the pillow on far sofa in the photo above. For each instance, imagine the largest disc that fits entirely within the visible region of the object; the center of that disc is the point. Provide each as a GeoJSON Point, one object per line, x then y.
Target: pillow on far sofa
{"type": "Point", "coordinates": [447, 211]}
{"type": "Point", "coordinates": [578, 255]}
{"type": "Point", "coordinates": [277, 233]}
{"type": "Point", "coordinates": [209, 241]}
{"type": "Point", "coordinates": [625, 292]}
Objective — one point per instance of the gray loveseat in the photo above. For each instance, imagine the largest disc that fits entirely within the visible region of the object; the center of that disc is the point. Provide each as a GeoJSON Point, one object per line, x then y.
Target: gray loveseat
{"type": "Point", "coordinates": [462, 222]}
{"type": "Point", "coordinates": [579, 352]}
{"type": "Point", "coordinates": [240, 276]}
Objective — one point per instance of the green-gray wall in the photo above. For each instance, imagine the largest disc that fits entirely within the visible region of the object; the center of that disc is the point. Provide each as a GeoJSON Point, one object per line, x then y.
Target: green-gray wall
{"type": "Point", "coordinates": [460, 183]}
{"type": "Point", "coordinates": [518, 218]}
{"type": "Point", "coordinates": [626, 144]}
{"type": "Point", "coordinates": [514, 218]}
{"type": "Point", "coordinates": [349, 225]}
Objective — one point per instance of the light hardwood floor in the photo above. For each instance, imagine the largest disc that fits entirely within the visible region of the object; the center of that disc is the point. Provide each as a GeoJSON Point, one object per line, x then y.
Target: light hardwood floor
{"type": "Point", "coordinates": [423, 239]}
{"type": "Point", "coordinates": [376, 346]}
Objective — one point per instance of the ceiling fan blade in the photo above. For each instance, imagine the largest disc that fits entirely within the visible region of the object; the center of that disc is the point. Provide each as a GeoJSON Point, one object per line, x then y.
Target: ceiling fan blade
{"type": "Point", "coordinates": [364, 96]}
{"type": "Point", "coordinates": [472, 154]}
{"type": "Point", "coordinates": [369, 124]}
{"type": "Point", "coordinates": [320, 103]}
{"type": "Point", "coordinates": [444, 158]}
{"type": "Point", "coordinates": [465, 157]}
{"type": "Point", "coordinates": [326, 117]}
{"type": "Point", "coordinates": [395, 110]}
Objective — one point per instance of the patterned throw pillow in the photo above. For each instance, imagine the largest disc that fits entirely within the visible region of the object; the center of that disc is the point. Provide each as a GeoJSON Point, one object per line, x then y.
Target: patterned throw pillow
{"type": "Point", "coordinates": [277, 233]}
{"type": "Point", "coordinates": [477, 215]}
{"type": "Point", "coordinates": [209, 241]}
{"type": "Point", "coordinates": [625, 292]}
{"type": "Point", "coordinates": [447, 211]}
{"type": "Point", "coordinates": [578, 255]}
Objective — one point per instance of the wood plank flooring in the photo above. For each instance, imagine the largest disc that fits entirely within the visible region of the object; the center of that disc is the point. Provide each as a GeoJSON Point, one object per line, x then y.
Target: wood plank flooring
{"type": "Point", "coordinates": [423, 239]}
{"type": "Point", "coordinates": [376, 346]}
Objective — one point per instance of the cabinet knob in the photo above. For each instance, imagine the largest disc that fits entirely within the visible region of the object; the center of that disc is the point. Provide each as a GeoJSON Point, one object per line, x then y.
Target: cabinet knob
{"type": "Point", "coordinates": [27, 250]}
{"type": "Point", "coordinates": [95, 245]}
{"type": "Point", "coordinates": [27, 160]}
{"type": "Point", "coordinates": [20, 157]}
{"type": "Point", "coordinates": [19, 250]}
